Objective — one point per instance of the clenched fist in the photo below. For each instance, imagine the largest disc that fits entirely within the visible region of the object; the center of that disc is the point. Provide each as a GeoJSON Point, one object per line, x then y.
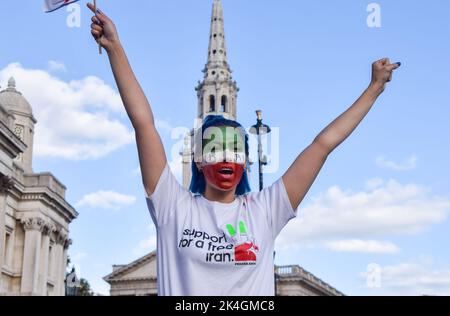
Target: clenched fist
{"type": "Point", "coordinates": [103, 29]}
{"type": "Point", "coordinates": [382, 71]}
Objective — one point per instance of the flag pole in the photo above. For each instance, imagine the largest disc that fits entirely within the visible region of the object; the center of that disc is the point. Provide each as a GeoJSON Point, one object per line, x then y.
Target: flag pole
{"type": "Point", "coordinates": [99, 46]}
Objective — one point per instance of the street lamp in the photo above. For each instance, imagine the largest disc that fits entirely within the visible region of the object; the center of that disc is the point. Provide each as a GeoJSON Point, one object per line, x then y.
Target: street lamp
{"type": "Point", "coordinates": [260, 129]}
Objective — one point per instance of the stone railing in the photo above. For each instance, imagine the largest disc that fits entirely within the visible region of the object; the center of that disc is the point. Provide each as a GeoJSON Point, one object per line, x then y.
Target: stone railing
{"type": "Point", "coordinates": [299, 272]}
{"type": "Point", "coordinates": [45, 180]}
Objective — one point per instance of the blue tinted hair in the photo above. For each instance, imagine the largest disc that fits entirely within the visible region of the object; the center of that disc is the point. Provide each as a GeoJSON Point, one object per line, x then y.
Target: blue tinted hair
{"type": "Point", "coordinates": [198, 182]}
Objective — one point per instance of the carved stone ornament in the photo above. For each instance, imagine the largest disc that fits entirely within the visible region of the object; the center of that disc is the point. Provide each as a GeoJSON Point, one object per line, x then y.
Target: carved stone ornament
{"type": "Point", "coordinates": [33, 224]}
{"type": "Point", "coordinates": [6, 183]}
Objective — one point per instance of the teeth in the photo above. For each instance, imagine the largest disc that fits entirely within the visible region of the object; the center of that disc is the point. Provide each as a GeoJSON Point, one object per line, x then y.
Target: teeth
{"type": "Point", "coordinates": [226, 170]}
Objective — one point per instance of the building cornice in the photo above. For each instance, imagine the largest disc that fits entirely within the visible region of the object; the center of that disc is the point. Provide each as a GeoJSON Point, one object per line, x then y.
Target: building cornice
{"type": "Point", "coordinates": [136, 279]}
{"type": "Point", "coordinates": [120, 271]}
{"type": "Point", "coordinates": [296, 273]}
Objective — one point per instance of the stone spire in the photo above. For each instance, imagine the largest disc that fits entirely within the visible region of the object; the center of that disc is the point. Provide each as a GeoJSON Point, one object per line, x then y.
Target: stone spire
{"type": "Point", "coordinates": [217, 52]}
{"type": "Point", "coordinates": [217, 93]}
{"type": "Point", "coordinates": [12, 83]}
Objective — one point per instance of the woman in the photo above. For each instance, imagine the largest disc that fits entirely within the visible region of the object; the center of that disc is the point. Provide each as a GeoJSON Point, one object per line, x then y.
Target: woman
{"type": "Point", "coordinates": [218, 239]}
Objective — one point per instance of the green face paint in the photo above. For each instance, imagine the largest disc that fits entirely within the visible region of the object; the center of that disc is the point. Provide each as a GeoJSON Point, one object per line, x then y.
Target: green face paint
{"type": "Point", "coordinates": [223, 143]}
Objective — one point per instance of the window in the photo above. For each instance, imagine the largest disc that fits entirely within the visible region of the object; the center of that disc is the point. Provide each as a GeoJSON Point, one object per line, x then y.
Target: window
{"type": "Point", "coordinates": [212, 103]}
{"type": "Point", "coordinates": [224, 103]}
{"type": "Point", "coordinates": [6, 249]}
{"type": "Point", "coordinates": [50, 261]}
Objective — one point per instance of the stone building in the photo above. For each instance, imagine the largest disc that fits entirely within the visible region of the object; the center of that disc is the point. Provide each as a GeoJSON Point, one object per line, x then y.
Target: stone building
{"type": "Point", "coordinates": [34, 215]}
{"type": "Point", "coordinates": [217, 94]}
{"type": "Point", "coordinates": [139, 279]}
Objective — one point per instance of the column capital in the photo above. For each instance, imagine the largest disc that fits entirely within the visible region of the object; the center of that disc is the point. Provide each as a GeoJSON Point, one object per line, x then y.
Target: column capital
{"type": "Point", "coordinates": [60, 236]}
{"type": "Point", "coordinates": [48, 229]}
{"type": "Point", "coordinates": [34, 223]}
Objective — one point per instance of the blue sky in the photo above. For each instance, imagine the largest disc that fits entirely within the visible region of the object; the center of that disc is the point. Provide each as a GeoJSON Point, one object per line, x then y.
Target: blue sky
{"type": "Point", "coordinates": [383, 197]}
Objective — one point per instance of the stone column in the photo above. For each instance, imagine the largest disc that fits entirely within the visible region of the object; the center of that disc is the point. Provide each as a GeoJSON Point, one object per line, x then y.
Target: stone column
{"type": "Point", "coordinates": [31, 254]}
{"type": "Point", "coordinates": [6, 184]}
{"type": "Point", "coordinates": [45, 249]}
{"type": "Point", "coordinates": [60, 264]}
{"type": "Point", "coordinates": [67, 244]}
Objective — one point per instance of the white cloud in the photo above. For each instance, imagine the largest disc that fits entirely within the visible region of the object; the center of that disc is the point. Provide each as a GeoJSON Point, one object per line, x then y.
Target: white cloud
{"type": "Point", "coordinates": [55, 66]}
{"type": "Point", "coordinates": [374, 183]}
{"type": "Point", "coordinates": [413, 278]}
{"type": "Point", "coordinates": [146, 245]}
{"type": "Point", "coordinates": [387, 209]}
{"type": "Point", "coordinates": [367, 246]}
{"type": "Point", "coordinates": [75, 119]}
{"type": "Point", "coordinates": [106, 200]}
{"type": "Point", "coordinates": [409, 164]}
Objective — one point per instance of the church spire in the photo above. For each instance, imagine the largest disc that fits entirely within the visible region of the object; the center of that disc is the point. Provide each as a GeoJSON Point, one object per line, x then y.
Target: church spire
{"type": "Point", "coordinates": [217, 93]}
{"type": "Point", "coordinates": [217, 52]}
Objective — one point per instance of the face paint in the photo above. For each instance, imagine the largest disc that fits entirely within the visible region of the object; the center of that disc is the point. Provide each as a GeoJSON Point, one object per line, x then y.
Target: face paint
{"type": "Point", "coordinates": [223, 175]}
{"type": "Point", "coordinates": [221, 156]}
{"type": "Point", "coordinates": [224, 158]}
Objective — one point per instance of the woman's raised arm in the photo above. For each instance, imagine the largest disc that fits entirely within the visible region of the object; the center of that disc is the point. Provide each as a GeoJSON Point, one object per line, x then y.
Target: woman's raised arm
{"type": "Point", "coordinates": [151, 151]}
{"type": "Point", "coordinates": [299, 178]}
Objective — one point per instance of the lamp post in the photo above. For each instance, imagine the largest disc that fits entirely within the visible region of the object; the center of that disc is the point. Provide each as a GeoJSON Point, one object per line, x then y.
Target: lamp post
{"type": "Point", "coordinates": [277, 276]}
{"type": "Point", "coordinates": [260, 129]}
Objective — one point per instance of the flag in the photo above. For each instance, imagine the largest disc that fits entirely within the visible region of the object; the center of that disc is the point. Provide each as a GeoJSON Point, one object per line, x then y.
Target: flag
{"type": "Point", "coordinates": [52, 5]}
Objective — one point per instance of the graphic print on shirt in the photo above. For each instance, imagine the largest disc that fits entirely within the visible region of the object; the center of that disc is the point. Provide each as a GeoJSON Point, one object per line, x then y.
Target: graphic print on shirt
{"type": "Point", "coordinates": [238, 248]}
{"type": "Point", "coordinates": [245, 248]}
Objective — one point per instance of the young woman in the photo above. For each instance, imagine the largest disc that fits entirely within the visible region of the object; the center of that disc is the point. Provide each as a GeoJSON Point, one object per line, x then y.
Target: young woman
{"type": "Point", "coordinates": [218, 238]}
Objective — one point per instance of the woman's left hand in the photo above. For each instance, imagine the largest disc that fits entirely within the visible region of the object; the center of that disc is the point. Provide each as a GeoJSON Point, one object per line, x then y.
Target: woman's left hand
{"type": "Point", "coordinates": [382, 71]}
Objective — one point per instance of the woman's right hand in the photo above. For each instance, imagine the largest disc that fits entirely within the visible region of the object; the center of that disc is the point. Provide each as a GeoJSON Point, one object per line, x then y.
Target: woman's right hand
{"type": "Point", "coordinates": [103, 29]}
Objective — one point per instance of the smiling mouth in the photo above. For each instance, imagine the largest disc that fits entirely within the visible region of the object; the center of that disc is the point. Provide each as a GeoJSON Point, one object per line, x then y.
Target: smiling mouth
{"type": "Point", "coordinates": [226, 171]}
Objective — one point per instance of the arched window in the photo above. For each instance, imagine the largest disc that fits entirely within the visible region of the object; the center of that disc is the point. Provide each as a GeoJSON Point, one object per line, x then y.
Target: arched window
{"type": "Point", "coordinates": [212, 103]}
{"type": "Point", "coordinates": [224, 103]}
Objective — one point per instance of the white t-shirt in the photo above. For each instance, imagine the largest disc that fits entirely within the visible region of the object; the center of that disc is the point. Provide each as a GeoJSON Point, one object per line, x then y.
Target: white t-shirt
{"type": "Point", "coordinates": [207, 248]}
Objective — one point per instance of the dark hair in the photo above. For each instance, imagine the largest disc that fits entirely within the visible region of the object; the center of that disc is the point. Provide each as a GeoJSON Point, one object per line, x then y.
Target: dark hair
{"type": "Point", "coordinates": [198, 182]}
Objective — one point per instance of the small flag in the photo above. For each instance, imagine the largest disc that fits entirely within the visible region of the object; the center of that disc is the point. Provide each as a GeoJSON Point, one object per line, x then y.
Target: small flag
{"type": "Point", "coordinates": [52, 5]}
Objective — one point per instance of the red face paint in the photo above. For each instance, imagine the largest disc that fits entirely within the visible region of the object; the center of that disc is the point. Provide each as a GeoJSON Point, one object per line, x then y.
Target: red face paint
{"type": "Point", "coordinates": [223, 176]}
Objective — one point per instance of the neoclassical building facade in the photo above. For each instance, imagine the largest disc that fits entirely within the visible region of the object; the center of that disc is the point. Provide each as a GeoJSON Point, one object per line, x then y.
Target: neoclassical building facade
{"type": "Point", "coordinates": [139, 278]}
{"type": "Point", "coordinates": [34, 215]}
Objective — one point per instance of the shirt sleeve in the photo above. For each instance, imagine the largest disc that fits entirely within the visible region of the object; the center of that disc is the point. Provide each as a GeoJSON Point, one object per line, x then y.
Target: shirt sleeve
{"type": "Point", "coordinates": [274, 202]}
{"type": "Point", "coordinates": [168, 193]}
